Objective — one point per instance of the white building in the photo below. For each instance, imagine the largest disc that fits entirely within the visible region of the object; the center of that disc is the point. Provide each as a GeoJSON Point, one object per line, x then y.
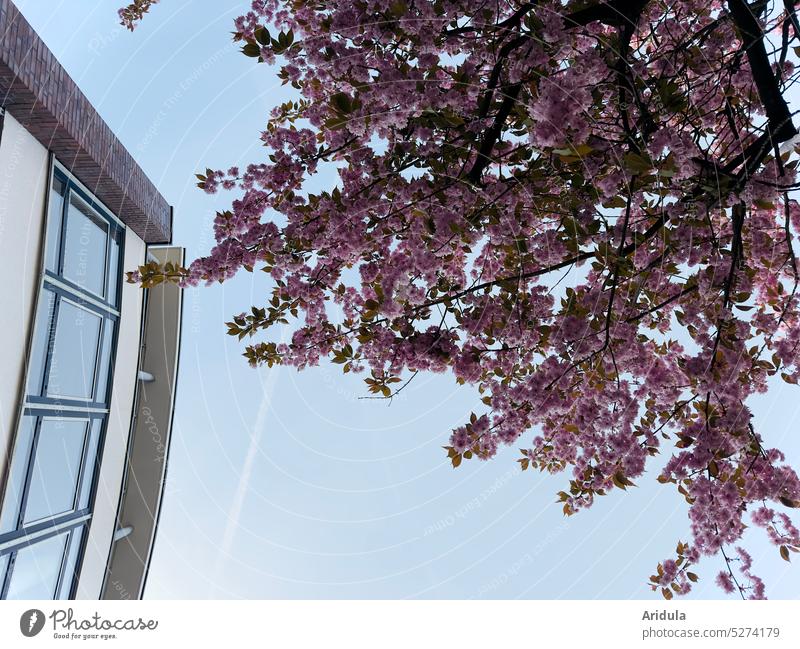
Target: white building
{"type": "Point", "coordinates": [88, 361]}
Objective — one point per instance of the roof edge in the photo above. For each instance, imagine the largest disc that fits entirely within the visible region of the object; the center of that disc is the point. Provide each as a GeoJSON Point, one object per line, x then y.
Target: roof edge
{"type": "Point", "coordinates": [39, 93]}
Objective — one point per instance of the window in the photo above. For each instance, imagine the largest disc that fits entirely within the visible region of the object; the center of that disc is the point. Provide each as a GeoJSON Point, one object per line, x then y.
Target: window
{"type": "Point", "coordinates": [54, 218]}
{"type": "Point", "coordinates": [37, 568]}
{"type": "Point", "coordinates": [85, 247]}
{"type": "Point", "coordinates": [47, 503]}
{"type": "Point", "coordinates": [56, 465]}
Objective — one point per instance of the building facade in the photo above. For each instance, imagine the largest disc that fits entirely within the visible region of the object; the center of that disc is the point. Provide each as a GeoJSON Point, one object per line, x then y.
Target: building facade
{"type": "Point", "coordinates": [89, 362]}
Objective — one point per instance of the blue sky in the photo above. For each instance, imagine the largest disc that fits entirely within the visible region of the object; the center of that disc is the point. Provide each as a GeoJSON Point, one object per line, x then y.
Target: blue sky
{"type": "Point", "coordinates": [289, 485]}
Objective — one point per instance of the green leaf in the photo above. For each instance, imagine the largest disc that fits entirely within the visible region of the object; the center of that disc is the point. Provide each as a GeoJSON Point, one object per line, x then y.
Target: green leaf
{"type": "Point", "coordinates": [578, 151]}
{"type": "Point", "coordinates": [252, 50]}
{"type": "Point", "coordinates": [789, 502]}
{"type": "Point", "coordinates": [398, 9]}
{"type": "Point", "coordinates": [615, 201]}
{"type": "Point", "coordinates": [261, 34]}
{"type": "Point", "coordinates": [636, 163]}
{"type": "Point", "coordinates": [341, 102]}
{"type": "Point", "coordinates": [764, 205]}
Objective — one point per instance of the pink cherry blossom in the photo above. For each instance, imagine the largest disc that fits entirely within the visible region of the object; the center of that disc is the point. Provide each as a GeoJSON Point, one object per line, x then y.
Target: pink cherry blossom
{"type": "Point", "coordinates": [576, 208]}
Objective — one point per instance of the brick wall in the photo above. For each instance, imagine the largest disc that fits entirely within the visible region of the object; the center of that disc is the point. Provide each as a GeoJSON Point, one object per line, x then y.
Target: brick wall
{"type": "Point", "coordinates": [39, 93]}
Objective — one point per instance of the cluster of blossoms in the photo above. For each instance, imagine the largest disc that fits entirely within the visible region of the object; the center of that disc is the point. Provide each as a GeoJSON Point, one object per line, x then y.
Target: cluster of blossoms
{"type": "Point", "coordinates": [728, 582]}
{"type": "Point", "coordinates": [581, 209]}
{"type": "Point", "coordinates": [131, 15]}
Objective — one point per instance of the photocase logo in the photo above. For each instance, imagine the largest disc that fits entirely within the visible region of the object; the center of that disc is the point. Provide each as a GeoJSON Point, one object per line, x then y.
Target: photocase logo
{"type": "Point", "coordinates": [31, 622]}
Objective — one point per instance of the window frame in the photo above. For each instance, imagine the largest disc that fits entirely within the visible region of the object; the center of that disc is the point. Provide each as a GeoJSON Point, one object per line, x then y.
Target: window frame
{"type": "Point", "coordinates": [48, 407]}
{"type": "Point", "coordinates": [83, 467]}
{"type": "Point", "coordinates": [62, 244]}
{"type": "Point", "coordinates": [45, 396]}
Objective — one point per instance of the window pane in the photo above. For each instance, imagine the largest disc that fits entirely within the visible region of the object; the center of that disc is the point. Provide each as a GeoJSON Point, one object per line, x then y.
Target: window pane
{"type": "Point", "coordinates": [101, 394]}
{"type": "Point", "coordinates": [113, 267]}
{"type": "Point", "coordinates": [71, 564]}
{"type": "Point", "coordinates": [36, 569]}
{"type": "Point", "coordinates": [54, 212]}
{"type": "Point", "coordinates": [16, 477]}
{"type": "Point", "coordinates": [85, 247]}
{"type": "Point", "coordinates": [59, 450]}
{"type": "Point", "coordinates": [3, 566]}
{"type": "Point", "coordinates": [89, 463]}
{"type": "Point", "coordinates": [74, 352]}
{"type": "Point", "coordinates": [42, 334]}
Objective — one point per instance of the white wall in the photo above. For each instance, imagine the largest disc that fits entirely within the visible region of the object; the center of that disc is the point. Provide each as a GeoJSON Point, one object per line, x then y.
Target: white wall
{"type": "Point", "coordinates": [23, 183]}
{"type": "Point", "coordinates": [147, 468]}
{"type": "Point", "coordinates": [24, 169]}
{"type": "Point", "coordinates": [112, 468]}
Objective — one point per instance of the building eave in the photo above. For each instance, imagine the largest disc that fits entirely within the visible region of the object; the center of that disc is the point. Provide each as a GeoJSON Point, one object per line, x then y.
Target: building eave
{"type": "Point", "coordinates": [36, 89]}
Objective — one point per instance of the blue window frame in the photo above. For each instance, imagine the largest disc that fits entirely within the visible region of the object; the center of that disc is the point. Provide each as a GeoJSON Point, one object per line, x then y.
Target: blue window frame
{"type": "Point", "coordinates": [51, 480]}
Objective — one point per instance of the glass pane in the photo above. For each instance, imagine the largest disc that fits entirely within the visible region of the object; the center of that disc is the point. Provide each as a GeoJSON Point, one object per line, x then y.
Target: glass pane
{"type": "Point", "coordinates": [101, 394]}
{"type": "Point", "coordinates": [113, 267]}
{"type": "Point", "coordinates": [3, 566]}
{"type": "Point", "coordinates": [16, 477]}
{"type": "Point", "coordinates": [54, 212]}
{"type": "Point", "coordinates": [71, 564]}
{"type": "Point", "coordinates": [59, 449]}
{"type": "Point", "coordinates": [90, 463]}
{"type": "Point", "coordinates": [41, 341]}
{"type": "Point", "coordinates": [36, 569]}
{"type": "Point", "coordinates": [74, 352]}
{"type": "Point", "coordinates": [85, 247]}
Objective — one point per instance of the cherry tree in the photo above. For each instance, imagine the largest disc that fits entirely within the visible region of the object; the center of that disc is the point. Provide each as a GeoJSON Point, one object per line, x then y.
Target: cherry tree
{"type": "Point", "coordinates": [582, 209]}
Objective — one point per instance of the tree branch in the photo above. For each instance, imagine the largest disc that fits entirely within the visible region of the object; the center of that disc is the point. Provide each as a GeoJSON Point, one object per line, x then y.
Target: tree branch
{"type": "Point", "coordinates": [752, 36]}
